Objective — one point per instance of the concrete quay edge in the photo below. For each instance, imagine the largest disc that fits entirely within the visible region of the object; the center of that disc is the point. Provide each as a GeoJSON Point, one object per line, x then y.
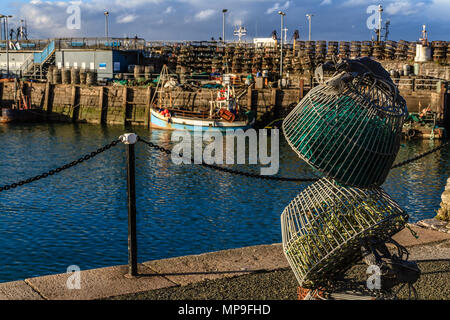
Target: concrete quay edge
{"type": "Point", "coordinates": [180, 271]}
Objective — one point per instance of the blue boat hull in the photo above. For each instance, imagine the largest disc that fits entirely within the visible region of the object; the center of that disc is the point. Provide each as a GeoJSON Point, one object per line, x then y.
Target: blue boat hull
{"type": "Point", "coordinates": [193, 124]}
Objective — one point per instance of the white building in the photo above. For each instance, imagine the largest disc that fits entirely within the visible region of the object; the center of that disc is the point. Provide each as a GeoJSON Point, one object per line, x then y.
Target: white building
{"type": "Point", "coordinates": [264, 42]}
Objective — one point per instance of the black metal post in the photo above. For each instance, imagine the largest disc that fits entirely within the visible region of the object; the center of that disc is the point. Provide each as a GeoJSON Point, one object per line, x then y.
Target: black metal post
{"type": "Point", "coordinates": [132, 239]}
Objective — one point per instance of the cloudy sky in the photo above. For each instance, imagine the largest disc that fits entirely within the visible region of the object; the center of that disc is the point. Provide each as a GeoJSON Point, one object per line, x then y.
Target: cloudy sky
{"type": "Point", "coordinates": [202, 19]}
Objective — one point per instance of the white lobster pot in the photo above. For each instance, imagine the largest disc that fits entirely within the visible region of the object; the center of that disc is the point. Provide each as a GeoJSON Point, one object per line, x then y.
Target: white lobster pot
{"type": "Point", "coordinates": [322, 228]}
{"type": "Point", "coordinates": [350, 131]}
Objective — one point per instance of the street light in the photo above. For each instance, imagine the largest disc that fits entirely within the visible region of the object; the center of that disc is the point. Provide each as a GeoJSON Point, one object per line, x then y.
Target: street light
{"type": "Point", "coordinates": [282, 14]}
{"type": "Point", "coordinates": [223, 24]}
{"type": "Point", "coordinates": [309, 16]}
{"type": "Point", "coordinates": [7, 41]}
{"type": "Point", "coordinates": [106, 13]}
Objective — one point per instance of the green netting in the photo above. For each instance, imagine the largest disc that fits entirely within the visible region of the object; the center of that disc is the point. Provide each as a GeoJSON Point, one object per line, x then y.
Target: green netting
{"type": "Point", "coordinates": [350, 136]}
{"type": "Point", "coordinates": [323, 227]}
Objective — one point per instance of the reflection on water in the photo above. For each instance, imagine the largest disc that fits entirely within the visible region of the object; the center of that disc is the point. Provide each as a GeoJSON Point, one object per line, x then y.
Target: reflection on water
{"type": "Point", "coordinates": [79, 216]}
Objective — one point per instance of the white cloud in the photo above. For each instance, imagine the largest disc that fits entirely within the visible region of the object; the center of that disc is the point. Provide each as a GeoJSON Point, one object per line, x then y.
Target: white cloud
{"type": "Point", "coordinates": [126, 18]}
{"type": "Point", "coordinates": [168, 10]}
{"type": "Point", "coordinates": [326, 2]}
{"type": "Point", "coordinates": [277, 7]}
{"type": "Point", "coordinates": [204, 14]}
{"type": "Point", "coordinates": [404, 7]}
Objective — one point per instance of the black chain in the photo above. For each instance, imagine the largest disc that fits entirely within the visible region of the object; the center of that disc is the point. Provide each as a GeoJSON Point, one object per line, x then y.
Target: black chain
{"type": "Point", "coordinates": [62, 168]}
{"type": "Point", "coordinates": [253, 175]}
{"type": "Point", "coordinates": [420, 156]}
{"type": "Point", "coordinates": [228, 170]}
{"type": "Point", "coordinates": [212, 166]}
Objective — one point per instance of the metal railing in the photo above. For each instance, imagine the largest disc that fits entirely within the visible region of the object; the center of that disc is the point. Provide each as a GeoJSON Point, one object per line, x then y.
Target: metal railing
{"type": "Point", "coordinates": [416, 84]}
{"type": "Point", "coordinates": [41, 57]}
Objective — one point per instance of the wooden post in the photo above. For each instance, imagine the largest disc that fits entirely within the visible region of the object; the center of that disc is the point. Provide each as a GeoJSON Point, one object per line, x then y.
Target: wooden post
{"type": "Point", "coordinates": [273, 97]}
{"type": "Point", "coordinates": [101, 104]}
{"type": "Point", "coordinates": [147, 107]}
{"type": "Point", "coordinates": [132, 238]}
{"type": "Point", "coordinates": [445, 107]}
{"type": "Point", "coordinates": [301, 89]}
{"type": "Point", "coordinates": [250, 97]}
{"type": "Point", "coordinates": [47, 107]}
{"type": "Point", "coordinates": [73, 103]}
{"type": "Point", "coordinates": [124, 104]}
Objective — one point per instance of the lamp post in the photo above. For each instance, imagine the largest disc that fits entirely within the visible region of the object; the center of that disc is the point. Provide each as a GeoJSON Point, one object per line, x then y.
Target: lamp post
{"type": "Point", "coordinates": [223, 24]}
{"type": "Point", "coordinates": [106, 13]}
{"type": "Point", "coordinates": [309, 16]}
{"type": "Point", "coordinates": [380, 10]}
{"type": "Point", "coordinates": [7, 41]}
{"type": "Point", "coordinates": [282, 14]}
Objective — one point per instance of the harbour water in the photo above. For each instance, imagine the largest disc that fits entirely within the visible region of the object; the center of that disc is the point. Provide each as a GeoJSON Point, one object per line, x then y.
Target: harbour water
{"type": "Point", "coordinates": [79, 216]}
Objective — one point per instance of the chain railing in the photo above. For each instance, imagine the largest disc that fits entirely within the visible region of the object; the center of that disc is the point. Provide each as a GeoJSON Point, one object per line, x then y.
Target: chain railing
{"type": "Point", "coordinates": [59, 169]}
{"type": "Point", "coordinates": [257, 176]}
{"type": "Point", "coordinates": [211, 166]}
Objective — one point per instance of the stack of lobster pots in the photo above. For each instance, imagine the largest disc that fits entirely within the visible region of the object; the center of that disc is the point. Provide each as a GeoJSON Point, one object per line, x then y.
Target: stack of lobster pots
{"type": "Point", "coordinates": [227, 59]}
{"type": "Point", "coordinates": [402, 50]}
{"type": "Point", "coordinates": [217, 61]}
{"type": "Point", "coordinates": [299, 47]}
{"type": "Point", "coordinates": [75, 76]}
{"type": "Point", "coordinates": [325, 226]}
{"type": "Point", "coordinates": [288, 61]}
{"type": "Point", "coordinates": [439, 51]}
{"type": "Point", "coordinates": [448, 52]}
{"type": "Point", "coordinates": [378, 50]}
{"type": "Point", "coordinates": [83, 76]}
{"type": "Point", "coordinates": [366, 49]}
{"type": "Point", "coordinates": [248, 60]}
{"type": "Point", "coordinates": [257, 60]}
{"type": "Point", "coordinates": [333, 47]}
{"type": "Point", "coordinates": [238, 60]}
{"type": "Point", "coordinates": [307, 56]}
{"type": "Point", "coordinates": [389, 50]}
{"type": "Point", "coordinates": [206, 53]}
{"type": "Point", "coordinates": [344, 49]}
{"type": "Point", "coordinates": [411, 53]}
{"type": "Point", "coordinates": [296, 64]}
{"type": "Point", "coordinates": [355, 49]}
{"type": "Point", "coordinates": [173, 58]}
{"type": "Point", "coordinates": [184, 60]}
{"type": "Point", "coordinates": [321, 51]}
{"type": "Point", "coordinates": [307, 61]}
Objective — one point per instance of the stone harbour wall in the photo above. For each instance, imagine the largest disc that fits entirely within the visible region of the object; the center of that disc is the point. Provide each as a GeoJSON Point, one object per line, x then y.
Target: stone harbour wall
{"type": "Point", "coordinates": [131, 105]}
{"type": "Point", "coordinates": [444, 210]}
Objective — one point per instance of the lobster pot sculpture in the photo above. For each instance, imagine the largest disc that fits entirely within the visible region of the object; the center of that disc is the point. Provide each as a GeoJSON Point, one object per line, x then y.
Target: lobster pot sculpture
{"type": "Point", "coordinates": [349, 128]}
{"type": "Point", "coordinates": [323, 227]}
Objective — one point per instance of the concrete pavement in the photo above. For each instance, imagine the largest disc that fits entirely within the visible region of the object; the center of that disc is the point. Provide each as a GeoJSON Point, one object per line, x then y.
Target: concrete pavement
{"type": "Point", "coordinates": [260, 272]}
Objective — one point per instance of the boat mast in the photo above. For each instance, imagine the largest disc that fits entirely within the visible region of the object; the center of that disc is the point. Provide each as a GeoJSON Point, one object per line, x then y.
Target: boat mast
{"type": "Point", "coordinates": [163, 75]}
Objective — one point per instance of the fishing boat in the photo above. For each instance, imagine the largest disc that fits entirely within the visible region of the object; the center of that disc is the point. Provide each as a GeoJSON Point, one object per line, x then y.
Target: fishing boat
{"type": "Point", "coordinates": [20, 110]}
{"type": "Point", "coordinates": [224, 113]}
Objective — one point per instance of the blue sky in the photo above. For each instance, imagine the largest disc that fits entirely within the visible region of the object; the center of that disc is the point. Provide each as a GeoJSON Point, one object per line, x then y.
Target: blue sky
{"type": "Point", "coordinates": [202, 19]}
